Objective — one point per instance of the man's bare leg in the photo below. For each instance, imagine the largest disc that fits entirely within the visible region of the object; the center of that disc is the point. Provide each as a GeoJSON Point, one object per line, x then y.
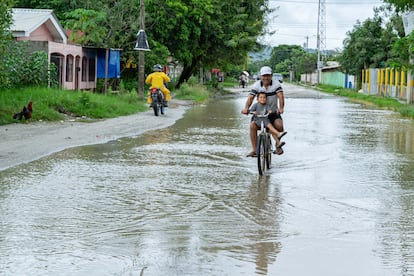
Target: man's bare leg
{"type": "Point", "coordinates": [278, 124]}
{"type": "Point", "coordinates": [253, 135]}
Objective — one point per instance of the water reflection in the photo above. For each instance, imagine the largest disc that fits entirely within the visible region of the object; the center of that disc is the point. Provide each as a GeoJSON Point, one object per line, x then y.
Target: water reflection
{"type": "Point", "coordinates": [263, 204]}
{"type": "Point", "coordinates": [386, 143]}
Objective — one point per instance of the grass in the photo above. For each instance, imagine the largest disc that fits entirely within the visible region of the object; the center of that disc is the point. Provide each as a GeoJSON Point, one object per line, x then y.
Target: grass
{"type": "Point", "coordinates": [229, 82]}
{"type": "Point", "coordinates": [406, 110]}
{"type": "Point", "coordinates": [47, 102]}
{"type": "Point", "coordinates": [194, 92]}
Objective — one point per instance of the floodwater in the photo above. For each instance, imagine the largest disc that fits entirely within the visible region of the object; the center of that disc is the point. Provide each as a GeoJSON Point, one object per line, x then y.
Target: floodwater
{"type": "Point", "coordinates": [186, 201]}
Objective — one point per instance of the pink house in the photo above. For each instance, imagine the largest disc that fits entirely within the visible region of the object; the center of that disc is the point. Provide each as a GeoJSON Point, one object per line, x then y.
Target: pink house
{"type": "Point", "coordinates": [77, 65]}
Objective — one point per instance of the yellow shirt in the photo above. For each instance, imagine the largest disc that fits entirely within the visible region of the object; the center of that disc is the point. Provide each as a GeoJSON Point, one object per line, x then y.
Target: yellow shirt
{"type": "Point", "coordinates": [157, 79]}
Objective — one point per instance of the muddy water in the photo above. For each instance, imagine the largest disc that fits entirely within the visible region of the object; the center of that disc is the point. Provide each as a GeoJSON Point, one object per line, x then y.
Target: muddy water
{"type": "Point", "coordinates": [186, 201]}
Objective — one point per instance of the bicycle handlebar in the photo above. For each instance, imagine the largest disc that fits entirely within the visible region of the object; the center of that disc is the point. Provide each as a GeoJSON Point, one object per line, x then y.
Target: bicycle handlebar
{"type": "Point", "coordinates": [259, 116]}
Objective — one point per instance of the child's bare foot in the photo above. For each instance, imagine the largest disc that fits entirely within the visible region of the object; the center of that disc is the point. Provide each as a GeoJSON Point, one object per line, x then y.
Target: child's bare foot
{"type": "Point", "coordinates": [251, 154]}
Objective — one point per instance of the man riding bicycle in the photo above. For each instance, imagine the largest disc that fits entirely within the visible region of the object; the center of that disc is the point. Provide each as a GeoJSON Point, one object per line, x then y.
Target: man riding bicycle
{"type": "Point", "coordinates": [275, 99]}
{"type": "Point", "coordinates": [262, 108]}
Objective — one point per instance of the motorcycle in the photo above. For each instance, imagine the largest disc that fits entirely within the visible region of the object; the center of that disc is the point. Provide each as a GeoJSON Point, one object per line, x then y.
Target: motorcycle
{"type": "Point", "coordinates": [158, 101]}
{"type": "Point", "coordinates": [242, 83]}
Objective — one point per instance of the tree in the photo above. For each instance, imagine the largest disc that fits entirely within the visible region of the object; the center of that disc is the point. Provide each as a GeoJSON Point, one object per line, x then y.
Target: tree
{"type": "Point", "coordinates": [59, 7]}
{"type": "Point", "coordinates": [122, 23]}
{"type": "Point", "coordinates": [303, 62]}
{"type": "Point", "coordinates": [402, 48]}
{"type": "Point", "coordinates": [5, 38]}
{"type": "Point", "coordinates": [401, 5]}
{"type": "Point", "coordinates": [196, 33]}
{"type": "Point", "coordinates": [282, 53]}
{"type": "Point", "coordinates": [286, 58]}
{"type": "Point", "coordinates": [206, 33]}
{"type": "Point", "coordinates": [87, 27]}
{"type": "Point", "coordinates": [363, 47]}
{"type": "Point", "coordinates": [370, 44]}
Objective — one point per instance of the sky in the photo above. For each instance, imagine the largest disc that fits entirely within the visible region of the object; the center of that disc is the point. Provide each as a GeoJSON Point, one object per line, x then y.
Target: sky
{"type": "Point", "coordinates": [295, 22]}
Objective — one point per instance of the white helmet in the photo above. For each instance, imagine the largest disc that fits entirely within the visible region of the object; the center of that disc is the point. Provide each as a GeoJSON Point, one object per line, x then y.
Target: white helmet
{"type": "Point", "coordinates": [265, 70]}
{"type": "Point", "coordinates": [157, 68]}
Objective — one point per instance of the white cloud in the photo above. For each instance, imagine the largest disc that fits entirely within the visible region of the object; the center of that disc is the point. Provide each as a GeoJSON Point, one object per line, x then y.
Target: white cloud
{"type": "Point", "coordinates": [296, 21]}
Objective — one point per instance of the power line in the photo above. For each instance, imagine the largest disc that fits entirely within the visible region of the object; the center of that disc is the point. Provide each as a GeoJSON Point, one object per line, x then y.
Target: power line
{"type": "Point", "coordinates": [310, 25]}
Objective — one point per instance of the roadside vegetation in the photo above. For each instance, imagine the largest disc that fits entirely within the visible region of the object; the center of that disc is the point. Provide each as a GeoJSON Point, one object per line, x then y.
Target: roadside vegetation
{"type": "Point", "coordinates": [406, 110]}
{"type": "Point", "coordinates": [193, 91]}
{"type": "Point", "coordinates": [53, 104]}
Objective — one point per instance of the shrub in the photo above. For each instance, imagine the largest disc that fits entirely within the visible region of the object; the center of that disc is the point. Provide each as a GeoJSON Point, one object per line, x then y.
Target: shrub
{"type": "Point", "coordinates": [22, 69]}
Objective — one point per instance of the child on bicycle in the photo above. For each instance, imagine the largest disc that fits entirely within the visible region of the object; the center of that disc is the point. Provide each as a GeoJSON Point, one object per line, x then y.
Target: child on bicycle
{"type": "Point", "coordinates": [261, 108]}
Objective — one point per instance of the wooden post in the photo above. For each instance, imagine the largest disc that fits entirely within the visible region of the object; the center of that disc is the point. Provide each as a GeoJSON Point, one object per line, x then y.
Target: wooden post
{"type": "Point", "coordinates": [106, 70]}
{"type": "Point", "coordinates": [402, 83]}
{"type": "Point", "coordinates": [141, 66]}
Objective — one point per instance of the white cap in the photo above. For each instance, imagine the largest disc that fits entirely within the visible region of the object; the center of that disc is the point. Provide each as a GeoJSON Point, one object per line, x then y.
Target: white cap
{"type": "Point", "coordinates": [265, 70]}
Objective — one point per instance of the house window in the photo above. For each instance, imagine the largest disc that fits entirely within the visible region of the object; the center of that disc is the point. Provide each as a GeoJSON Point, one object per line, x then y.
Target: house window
{"type": "Point", "coordinates": [92, 69]}
{"type": "Point", "coordinates": [84, 68]}
{"type": "Point", "coordinates": [69, 68]}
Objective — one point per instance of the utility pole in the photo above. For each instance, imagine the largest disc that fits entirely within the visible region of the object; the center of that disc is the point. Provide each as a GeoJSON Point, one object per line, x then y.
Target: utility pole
{"type": "Point", "coordinates": [308, 68]}
{"type": "Point", "coordinates": [408, 21]}
{"type": "Point", "coordinates": [141, 69]}
{"type": "Point", "coordinates": [321, 36]}
{"type": "Point", "coordinates": [307, 43]}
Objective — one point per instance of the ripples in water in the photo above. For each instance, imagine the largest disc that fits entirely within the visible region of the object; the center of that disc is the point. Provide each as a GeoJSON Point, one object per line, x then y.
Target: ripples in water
{"type": "Point", "coordinates": [186, 201]}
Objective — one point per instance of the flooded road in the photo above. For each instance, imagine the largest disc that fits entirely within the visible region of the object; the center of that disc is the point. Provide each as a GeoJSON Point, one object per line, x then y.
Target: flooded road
{"type": "Point", "coordinates": [186, 201]}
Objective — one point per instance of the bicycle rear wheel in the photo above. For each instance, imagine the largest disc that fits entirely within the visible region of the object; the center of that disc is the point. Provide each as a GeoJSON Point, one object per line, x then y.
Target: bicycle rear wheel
{"type": "Point", "coordinates": [261, 154]}
{"type": "Point", "coordinates": [156, 108]}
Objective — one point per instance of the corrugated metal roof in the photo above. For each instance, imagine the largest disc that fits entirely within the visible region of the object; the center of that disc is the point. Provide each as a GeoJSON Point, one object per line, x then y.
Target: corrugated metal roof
{"type": "Point", "coordinates": [25, 21]}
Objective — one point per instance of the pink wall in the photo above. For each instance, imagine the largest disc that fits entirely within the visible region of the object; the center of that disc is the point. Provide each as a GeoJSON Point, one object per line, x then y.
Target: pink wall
{"type": "Point", "coordinates": [69, 80]}
{"type": "Point", "coordinates": [40, 34]}
{"type": "Point", "coordinates": [76, 53]}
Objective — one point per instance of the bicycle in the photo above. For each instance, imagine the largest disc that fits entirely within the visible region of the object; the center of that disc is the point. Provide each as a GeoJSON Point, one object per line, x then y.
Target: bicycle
{"type": "Point", "coordinates": [263, 146]}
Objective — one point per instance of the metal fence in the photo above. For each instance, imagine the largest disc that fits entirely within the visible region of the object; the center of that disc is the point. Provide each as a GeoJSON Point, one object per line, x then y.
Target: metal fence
{"type": "Point", "coordinates": [387, 82]}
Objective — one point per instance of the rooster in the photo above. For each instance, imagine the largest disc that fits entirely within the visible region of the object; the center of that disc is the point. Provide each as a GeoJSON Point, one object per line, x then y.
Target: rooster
{"type": "Point", "coordinates": [26, 113]}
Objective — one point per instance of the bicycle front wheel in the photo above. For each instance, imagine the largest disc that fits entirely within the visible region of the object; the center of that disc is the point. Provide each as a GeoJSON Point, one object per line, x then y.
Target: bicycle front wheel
{"type": "Point", "coordinates": [261, 154]}
{"type": "Point", "coordinates": [268, 151]}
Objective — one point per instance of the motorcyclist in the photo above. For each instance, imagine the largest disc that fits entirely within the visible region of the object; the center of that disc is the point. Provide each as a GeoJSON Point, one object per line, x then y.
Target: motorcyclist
{"type": "Point", "coordinates": [157, 79]}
